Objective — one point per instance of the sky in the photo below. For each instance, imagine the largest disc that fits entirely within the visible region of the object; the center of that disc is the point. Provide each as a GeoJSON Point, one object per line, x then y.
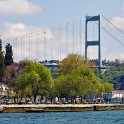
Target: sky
{"type": "Point", "coordinates": [20, 17]}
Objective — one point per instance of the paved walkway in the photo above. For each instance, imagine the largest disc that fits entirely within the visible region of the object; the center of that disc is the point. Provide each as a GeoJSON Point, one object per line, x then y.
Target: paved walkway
{"type": "Point", "coordinates": [60, 105]}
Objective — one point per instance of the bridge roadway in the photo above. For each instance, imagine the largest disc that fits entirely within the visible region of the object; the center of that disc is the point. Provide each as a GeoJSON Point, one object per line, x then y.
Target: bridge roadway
{"type": "Point", "coordinates": [57, 65]}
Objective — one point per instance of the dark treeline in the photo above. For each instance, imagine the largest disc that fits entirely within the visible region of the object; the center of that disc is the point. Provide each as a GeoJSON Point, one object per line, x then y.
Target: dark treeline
{"type": "Point", "coordinates": [6, 59]}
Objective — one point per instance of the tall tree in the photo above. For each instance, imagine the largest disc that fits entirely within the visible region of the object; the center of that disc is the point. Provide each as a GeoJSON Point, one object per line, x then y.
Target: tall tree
{"type": "Point", "coordinates": [37, 78]}
{"type": "Point", "coordinates": [8, 55]}
{"type": "Point", "coordinates": [73, 61]}
{"type": "Point", "coordinates": [79, 82]}
{"type": "Point", "coordinates": [1, 61]}
{"type": "Point", "coordinates": [108, 87]}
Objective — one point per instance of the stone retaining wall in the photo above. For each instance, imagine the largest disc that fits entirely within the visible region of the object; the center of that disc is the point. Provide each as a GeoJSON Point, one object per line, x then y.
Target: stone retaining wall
{"type": "Point", "coordinates": [61, 108]}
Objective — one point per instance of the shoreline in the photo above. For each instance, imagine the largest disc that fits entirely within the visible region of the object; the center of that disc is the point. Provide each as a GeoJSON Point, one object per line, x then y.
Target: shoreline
{"type": "Point", "coordinates": [59, 107]}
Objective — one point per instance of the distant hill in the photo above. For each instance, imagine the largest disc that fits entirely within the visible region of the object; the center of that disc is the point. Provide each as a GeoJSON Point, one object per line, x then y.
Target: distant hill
{"type": "Point", "coordinates": [114, 75]}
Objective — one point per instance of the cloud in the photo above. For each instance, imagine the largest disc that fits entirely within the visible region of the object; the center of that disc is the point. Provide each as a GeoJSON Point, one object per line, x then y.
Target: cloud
{"type": "Point", "coordinates": [18, 8]}
{"type": "Point", "coordinates": [119, 22]}
{"type": "Point", "coordinates": [9, 30]}
{"type": "Point", "coordinates": [12, 30]}
{"type": "Point", "coordinates": [123, 7]}
{"type": "Point", "coordinates": [106, 54]}
{"type": "Point", "coordinates": [33, 47]}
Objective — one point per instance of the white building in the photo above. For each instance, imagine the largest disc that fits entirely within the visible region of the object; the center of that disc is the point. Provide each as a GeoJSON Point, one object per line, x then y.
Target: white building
{"type": "Point", "coordinates": [116, 95]}
{"type": "Point", "coordinates": [3, 86]}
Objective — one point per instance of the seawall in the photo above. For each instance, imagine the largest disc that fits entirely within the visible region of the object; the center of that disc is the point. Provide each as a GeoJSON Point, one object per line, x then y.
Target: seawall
{"type": "Point", "coordinates": [59, 107]}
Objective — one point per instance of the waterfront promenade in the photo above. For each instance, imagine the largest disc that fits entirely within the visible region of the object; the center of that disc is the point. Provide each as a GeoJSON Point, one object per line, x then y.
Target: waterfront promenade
{"type": "Point", "coordinates": [61, 107]}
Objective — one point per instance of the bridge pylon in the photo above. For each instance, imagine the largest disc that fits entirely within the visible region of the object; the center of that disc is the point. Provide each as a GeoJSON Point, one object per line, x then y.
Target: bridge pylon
{"type": "Point", "coordinates": [94, 42]}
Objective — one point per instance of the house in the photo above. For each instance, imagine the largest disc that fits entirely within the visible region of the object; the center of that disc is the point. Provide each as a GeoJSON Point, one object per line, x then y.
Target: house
{"type": "Point", "coordinates": [116, 95]}
{"type": "Point", "coordinates": [3, 86]}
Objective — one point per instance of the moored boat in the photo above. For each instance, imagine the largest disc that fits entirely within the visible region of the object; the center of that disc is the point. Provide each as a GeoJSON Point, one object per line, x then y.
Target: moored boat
{"type": "Point", "coordinates": [35, 110]}
{"type": "Point", "coordinates": [1, 109]}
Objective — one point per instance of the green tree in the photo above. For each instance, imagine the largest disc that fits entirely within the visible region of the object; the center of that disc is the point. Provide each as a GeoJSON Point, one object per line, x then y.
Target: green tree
{"type": "Point", "coordinates": [37, 78]}
{"type": "Point", "coordinates": [73, 61]}
{"type": "Point", "coordinates": [114, 75]}
{"type": "Point", "coordinates": [1, 61]}
{"type": "Point", "coordinates": [108, 87]}
{"type": "Point", "coordinates": [88, 83]}
{"type": "Point", "coordinates": [8, 60]}
{"type": "Point", "coordinates": [79, 82]}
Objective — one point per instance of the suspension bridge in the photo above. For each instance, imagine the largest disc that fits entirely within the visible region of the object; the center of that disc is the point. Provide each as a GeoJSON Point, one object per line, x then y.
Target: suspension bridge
{"type": "Point", "coordinates": [55, 43]}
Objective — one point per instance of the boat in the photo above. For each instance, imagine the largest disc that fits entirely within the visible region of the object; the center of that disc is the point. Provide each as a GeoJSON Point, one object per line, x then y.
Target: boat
{"type": "Point", "coordinates": [1, 109]}
{"type": "Point", "coordinates": [35, 110]}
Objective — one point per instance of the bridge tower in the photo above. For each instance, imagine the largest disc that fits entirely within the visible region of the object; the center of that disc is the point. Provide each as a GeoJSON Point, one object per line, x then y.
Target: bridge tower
{"type": "Point", "coordinates": [93, 43]}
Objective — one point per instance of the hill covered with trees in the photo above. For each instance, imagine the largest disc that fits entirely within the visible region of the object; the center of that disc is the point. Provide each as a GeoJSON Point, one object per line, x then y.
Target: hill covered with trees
{"type": "Point", "coordinates": [114, 74]}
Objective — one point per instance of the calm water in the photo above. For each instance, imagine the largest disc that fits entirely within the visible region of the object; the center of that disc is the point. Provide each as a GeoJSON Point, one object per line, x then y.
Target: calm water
{"type": "Point", "coordinates": [99, 117]}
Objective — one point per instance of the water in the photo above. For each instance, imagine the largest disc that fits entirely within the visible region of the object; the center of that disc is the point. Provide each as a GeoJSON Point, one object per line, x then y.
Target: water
{"type": "Point", "coordinates": [93, 117]}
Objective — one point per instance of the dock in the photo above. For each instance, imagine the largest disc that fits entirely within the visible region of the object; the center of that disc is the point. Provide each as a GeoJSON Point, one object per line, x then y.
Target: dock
{"type": "Point", "coordinates": [59, 107]}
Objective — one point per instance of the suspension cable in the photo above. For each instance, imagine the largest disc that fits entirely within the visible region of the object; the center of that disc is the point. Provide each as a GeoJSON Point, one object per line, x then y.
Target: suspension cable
{"type": "Point", "coordinates": [51, 43]}
{"type": "Point", "coordinates": [67, 36]}
{"type": "Point", "coordinates": [112, 24]}
{"type": "Point", "coordinates": [93, 39]}
{"type": "Point", "coordinates": [73, 36]}
{"type": "Point", "coordinates": [21, 48]}
{"type": "Point", "coordinates": [111, 35]}
{"type": "Point", "coordinates": [80, 34]}
{"type": "Point", "coordinates": [16, 49]}
{"type": "Point", "coordinates": [29, 47]}
{"type": "Point", "coordinates": [60, 42]}
{"type": "Point", "coordinates": [44, 47]}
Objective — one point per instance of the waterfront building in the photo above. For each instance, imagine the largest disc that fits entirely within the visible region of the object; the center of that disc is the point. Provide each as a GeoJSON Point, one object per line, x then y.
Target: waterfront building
{"type": "Point", "coordinates": [116, 96]}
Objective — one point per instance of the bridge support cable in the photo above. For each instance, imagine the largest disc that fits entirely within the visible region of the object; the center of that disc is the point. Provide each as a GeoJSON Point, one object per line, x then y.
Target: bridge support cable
{"type": "Point", "coordinates": [113, 24]}
{"type": "Point", "coordinates": [13, 47]}
{"type": "Point", "coordinates": [16, 54]}
{"type": "Point", "coordinates": [29, 45]}
{"type": "Point", "coordinates": [67, 35]}
{"type": "Point", "coordinates": [73, 35]}
{"type": "Point", "coordinates": [60, 41]}
{"type": "Point", "coordinates": [80, 25]}
{"type": "Point", "coordinates": [93, 40]}
{"type": "Point", "coordinates": [37, 46]}
{"type": "Point", "coordinates": [113, 36]}
{"type": "Point", "coordinates": [44, 47]}
{"type": "Point", "coordinates": [66, 32]}
{"type": "Point", "coordinates": [51, 43]}
{"type": "Point", "coordinates": [21, 48]}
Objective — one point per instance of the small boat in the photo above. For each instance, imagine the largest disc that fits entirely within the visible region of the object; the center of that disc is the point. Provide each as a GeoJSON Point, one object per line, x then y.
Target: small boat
{"type": "Point", "coordinates": [35, 110]}
{"type": "Point", "coordinates": [1, 109]}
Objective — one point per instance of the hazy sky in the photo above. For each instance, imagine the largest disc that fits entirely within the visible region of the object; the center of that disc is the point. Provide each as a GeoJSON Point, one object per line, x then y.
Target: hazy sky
{"type": "Point", "coordinates": [18, 17]}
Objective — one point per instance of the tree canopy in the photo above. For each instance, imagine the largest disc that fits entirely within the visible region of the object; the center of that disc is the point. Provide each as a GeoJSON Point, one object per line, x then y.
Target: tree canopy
{"type": "Point", "coordinates": [8, 60]}
{"type": "Point", "coordinates": [80, 81]}
{"type": "Point", "coordinates": [108, 87]}
{"type": "Point", "coordinates": [73, 61]}
{"type": "Point", "coordinates": [37, 79]}
{"type": "Point", "coordinates": [114, 75]}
